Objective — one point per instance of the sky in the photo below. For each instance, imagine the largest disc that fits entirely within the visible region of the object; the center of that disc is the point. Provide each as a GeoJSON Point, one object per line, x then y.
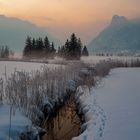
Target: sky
{"type": "Point", "coordinates": [62, 17]}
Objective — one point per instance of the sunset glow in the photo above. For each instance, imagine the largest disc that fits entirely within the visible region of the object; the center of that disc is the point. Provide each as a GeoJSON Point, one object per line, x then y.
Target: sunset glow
{"type": "Point", "coordinates": [69, 15]}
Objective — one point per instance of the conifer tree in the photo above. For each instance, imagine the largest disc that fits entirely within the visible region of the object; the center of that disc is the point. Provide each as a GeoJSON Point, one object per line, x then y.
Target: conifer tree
{"type": "Point", "coordinates": [85, 51]}
{"type": "Point", "coordinates": [46, 44]}
{"type": "Point", "coordinates": [38, 47]}
{"type": "Point", "coordinates": [28, 46]}
{"type": "Point", "coordinates": [72, 48]}
{"type": "Point", "coordinates": [6, 52]}
{"type": "Point", "coordinates": [39, 44]}
{"type": "Point", "coordinates": [33, 44]}
{"type": "Point", "coordinates": [79, 47]}
{"type": "Point", "coordinates": [66, 49]}
{"type": "Point", "coordinates": [52, 48]}
{"type": "Point", "coordinates": [73, 43]}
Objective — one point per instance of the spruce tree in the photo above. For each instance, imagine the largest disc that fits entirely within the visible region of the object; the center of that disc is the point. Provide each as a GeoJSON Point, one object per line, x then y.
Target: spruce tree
{"type": "Point", "coordinates": [85, 51]}
{"type": "Point", "coordinates": [79, 47]}
{"type": "Point", "coordinates": [33, 44]}
{"type": "Point", "coordinates": [73, 43]}
{"type": "Point", "coordinates": [46, 44]}
{"type": "Point", "coordinates": [73, 47]}
{"type": "Point", "coordinates": [38, 47]}
{"type": "Point", "coordinates": [28, 46]}
{"type": "Point", "coordinates": [67, 48]}
{"type": "Point", "coordinates": [39, 44]}
{"type": "Point", "coordinates": [6, 52]}
{"type": "Point", "coordinates": [53, 48]}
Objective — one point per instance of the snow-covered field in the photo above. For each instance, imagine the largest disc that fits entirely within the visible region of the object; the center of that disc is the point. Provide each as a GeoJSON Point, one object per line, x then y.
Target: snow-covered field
{"type": "Point", "coordinates": [10, 67]}
{"type": "Point", "coordinates": [120, 99]}
{"type": "Point", "coordinates": [19, 123]}
{"type": "Point", "coordinates": [112, 109]}
{"type": "Point", "coordinates": [96, 59]}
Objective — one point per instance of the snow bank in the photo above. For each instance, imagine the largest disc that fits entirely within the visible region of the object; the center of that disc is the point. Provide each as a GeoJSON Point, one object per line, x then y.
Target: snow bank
{"type": "Point", "coordinates": [93, 113]}
{"type": "Point", "coordinates": [111, 110]}
{"type": "Point", "coordinates": [19, 123]}
{"type": "Point", "coordinates": [37, 94]}
{"type": "Point", "coordinates": [120, 99]}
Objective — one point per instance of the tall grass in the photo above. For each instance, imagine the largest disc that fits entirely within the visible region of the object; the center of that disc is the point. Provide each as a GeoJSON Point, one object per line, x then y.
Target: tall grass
{"type": "Point", "coordinates": [31, 92]}
{"type": "Point", "coordinates": [28, 91]}
{"type": "Point", "coordinates": [104, 66]}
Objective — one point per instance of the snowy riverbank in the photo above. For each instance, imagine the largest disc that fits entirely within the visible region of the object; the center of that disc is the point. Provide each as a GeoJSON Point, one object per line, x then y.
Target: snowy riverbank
{"type": "Point", "coordinates": [112, 110]}
{"type": "Point", "coordinates": [35, 94]}
{"type": "Point", "coordinates": [19, 122]}
{"type": "Point", "coordinates": [114, 102]}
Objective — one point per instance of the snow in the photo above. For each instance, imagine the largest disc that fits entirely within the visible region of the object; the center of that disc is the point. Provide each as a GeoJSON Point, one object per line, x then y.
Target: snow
{"type": "Point", "coordinates": [18, 123]}
{"type": "Point", "coordinates": [96, 59]}
{"type": "Point", "coordinates": [111, 110]}
{"type": "Point", "coordinates": [11, 67]}
{"type": "Point", "coordinates": [120, 100]}
{"type": "Point", "coordinates": [93, 113]}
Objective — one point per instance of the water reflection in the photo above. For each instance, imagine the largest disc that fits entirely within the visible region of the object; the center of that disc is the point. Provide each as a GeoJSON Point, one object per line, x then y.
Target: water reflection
{"type": "Point", "coordinates": [65, 125]}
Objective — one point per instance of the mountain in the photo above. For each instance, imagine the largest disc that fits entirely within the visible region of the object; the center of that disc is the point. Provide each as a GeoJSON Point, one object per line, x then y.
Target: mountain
{"type": "Point", "coordinates": [13, 33]}
{"type": "Point", "coordinates": [121, 35]}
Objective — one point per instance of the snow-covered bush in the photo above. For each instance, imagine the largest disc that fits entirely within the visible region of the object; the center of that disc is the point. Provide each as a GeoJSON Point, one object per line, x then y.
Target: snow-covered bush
{"type": "Point", "coordinates": [104, 66]}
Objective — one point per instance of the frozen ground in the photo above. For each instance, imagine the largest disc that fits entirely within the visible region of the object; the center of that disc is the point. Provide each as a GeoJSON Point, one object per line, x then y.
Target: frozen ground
{"type": "Point", "coordinates": [120, 99]}
{"type": "Point", "coordinates": [19, 123]}
{"type": "Point", "coordinates": [112, 109]}
{"type": "Point", "coordinates": [96, 59]}
{"type": "Point", "coordinates": [11, 67]}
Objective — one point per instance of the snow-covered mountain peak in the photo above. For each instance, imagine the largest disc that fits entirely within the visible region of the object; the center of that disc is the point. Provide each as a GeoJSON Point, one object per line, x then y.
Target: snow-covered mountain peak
{"type": "Point", "coordinates": [118, 20]}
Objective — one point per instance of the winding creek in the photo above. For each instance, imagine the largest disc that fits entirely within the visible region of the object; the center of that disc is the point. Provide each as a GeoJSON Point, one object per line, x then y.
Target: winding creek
{"type": "Point", "coordinates": [65, 125]}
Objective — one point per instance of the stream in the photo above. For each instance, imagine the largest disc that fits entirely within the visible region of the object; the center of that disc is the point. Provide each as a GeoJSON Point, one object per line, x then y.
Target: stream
{"type": "Point", "coordinates": [65, 125]}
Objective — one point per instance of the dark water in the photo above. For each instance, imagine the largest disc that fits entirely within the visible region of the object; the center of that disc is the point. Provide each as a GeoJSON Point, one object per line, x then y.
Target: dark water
{"type": "Point", "coordinates": [65, 125]}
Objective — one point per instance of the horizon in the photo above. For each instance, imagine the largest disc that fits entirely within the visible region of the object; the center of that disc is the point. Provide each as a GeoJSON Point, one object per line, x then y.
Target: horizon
{"type": "Point", "coordinates": [86, 18]}
{"type": "Point", "coordinates": [69, 69]}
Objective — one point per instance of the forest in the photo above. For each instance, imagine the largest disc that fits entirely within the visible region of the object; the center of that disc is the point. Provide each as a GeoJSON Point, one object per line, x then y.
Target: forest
{"type": "Point", "coordinates": [72, 49]}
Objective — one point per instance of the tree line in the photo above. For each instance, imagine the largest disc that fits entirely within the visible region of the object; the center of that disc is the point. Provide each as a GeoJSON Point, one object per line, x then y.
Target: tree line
{"type": "Point", "coordinates": [72, 49]}
{"type": "Point", "coordinates": [5, 52]}
{"type": "Point", "coordinates": [38, 47]}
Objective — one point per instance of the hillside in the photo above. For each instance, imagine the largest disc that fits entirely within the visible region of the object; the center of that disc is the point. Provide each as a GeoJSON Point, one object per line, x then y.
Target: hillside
{"type": "Point", "coordinates": [13, 32]}
{"type": "Point", "coordinates": [121, 35]}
